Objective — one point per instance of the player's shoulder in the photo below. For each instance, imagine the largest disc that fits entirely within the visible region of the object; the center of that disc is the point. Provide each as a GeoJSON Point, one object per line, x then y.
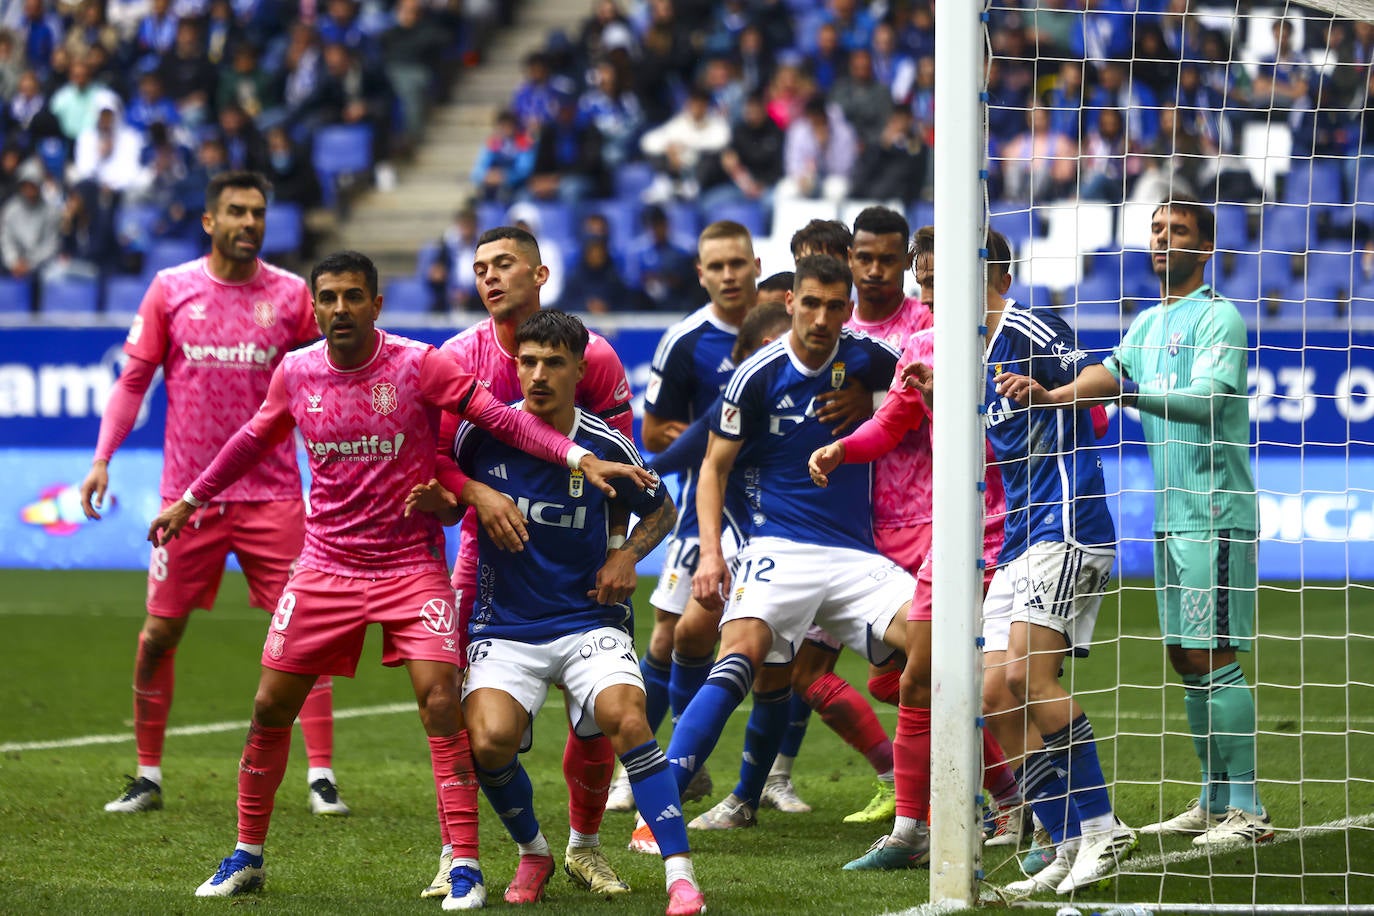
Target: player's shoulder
{"type": "Point", "coordinates": [469, 337]}
{"type": "Point", "coordinates": [179, 276]}
{"type": "Point", "coordinates": [603, 439]}
{"type": "Point", "coordinates": [761, 365]}
{"type": "Point", "coordinates": [1040, 326]}
{"type": "Point", "coordinates": [281, 276]}
{"type": "Point", "coordinates": [600, 352]}
{"type": "Point", "coordinates": [302, 356]}
{"type": "Point", "coordinates": [685, 333]}
{"type": "Point", "coordinates": [862, 340]}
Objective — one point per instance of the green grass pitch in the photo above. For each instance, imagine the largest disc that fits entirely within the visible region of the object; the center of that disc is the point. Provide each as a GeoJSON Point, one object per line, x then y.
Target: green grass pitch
{"type": "Point", "coordinates": [69, 651]}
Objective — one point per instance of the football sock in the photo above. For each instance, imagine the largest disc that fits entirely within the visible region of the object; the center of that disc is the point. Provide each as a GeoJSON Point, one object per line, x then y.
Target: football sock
{"type": "Point", "coordinates": [1048, 795]}
{"type": "Point", "coordinates": [511, 796]}
{"type": "Point", "coordinates": [656, 796]}
{"type": "Point", "coordinates": [260, 773]}
{"type": "Point", "coordinates": [317, 723]}
{"type": "Point", "coordinates": [253, 849]}
{"type": "Point", "coordinates": [885, 687]}
{"type": "Point", "coordinates": [539, 846]}
{"type": "Point", "coordinates": [455, 784]}
{"type": "Point", "coordinates": [907, 830]}
{"type": "Point", "coordinates": [851, 716]}
{"type": "Point", "coordinates": [580, 840]}
{"type": "Point", "coordinates": [1073, 751]}
{"type": "Point", "coordinates": [998, 778]}
{"type": "Point", "coordinates": [699, 727]}
{"type": "Point", "coordinates": [767, 724]}
{"type": "Point", "coordinates": [911, 762]}
{"type": "Point", "coordinates": [1231, 704]}
{"type": "Point", "coordinates": [686, 679]}
{"type": "Point", "coordinates": [656, 674]}
{"type": "Point", "coordinates": [1215, 792]}
{"type": "Point", "coordinates": [679, 868]}
{"type": "Point", "coordinates": [587, 767]}
{"type": "Point", "coordinates": [154, 680]}
{"type": "Point", "coordinates": [798, 716]}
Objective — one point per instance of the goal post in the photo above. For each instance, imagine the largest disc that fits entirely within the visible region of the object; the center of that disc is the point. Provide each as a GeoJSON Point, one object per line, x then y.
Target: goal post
{"type": "Point", "coordinates": [1277, 150]}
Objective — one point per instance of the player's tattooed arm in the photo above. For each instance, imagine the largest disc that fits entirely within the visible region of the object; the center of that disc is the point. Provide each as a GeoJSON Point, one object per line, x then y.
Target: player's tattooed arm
{"type": "Point", "coordinates": [617, 578]}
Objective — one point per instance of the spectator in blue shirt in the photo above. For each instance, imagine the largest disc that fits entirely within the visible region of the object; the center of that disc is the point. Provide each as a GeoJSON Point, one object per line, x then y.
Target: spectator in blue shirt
{"type": "Point", "coordinates": [595, 286]}
{"type": "Point", "coordinates": [537, 100]}
{"type": "Point", "coordinates": [665, 272]}
{"type": "Point", "coordinates": [854, 24]}
{"type": "Point", "coordinates": [506, 160]}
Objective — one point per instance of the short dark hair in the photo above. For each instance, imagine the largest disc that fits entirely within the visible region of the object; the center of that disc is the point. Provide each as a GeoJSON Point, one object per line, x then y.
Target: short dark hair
{"type": "Point", "coordinates": [763, 320]}
{"type": "Point", "coordinates": [253, 181]}
{"type": "Point", "coordinates": [780, 282]}
{"type": "Point", "coordinates": [999, 253]}
{"type": "Point", "coordinates": [881, 221]}
{"type": "Point", "coordinates": [347, 262]}
{"type": "Point", "coordinates": [1202, 214]}
{"type": "Point", "coordinates": [824, 269]}
{"type": "Point", "coordinates": [554, 328]}
{"type": "Point", "coordinates": [923, 243]}
{"type": "Point", "coordinates": [827, 236]}
{"type": "Point", "coordinates": [520, 236]}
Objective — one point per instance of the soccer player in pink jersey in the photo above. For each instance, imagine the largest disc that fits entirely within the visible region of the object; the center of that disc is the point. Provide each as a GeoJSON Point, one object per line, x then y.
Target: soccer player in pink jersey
{"type": "Point", "coordinates": [368, 406]}
{"type": "Point", "coordinates": [904, 418]}
{"type": "Point", "coordinates": [217, 326]}
{"type": "Point", "coordinates": [510, 274]}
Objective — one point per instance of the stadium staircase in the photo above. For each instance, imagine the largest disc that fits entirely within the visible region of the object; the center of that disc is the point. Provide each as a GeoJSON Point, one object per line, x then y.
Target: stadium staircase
{"type": "Point", "coordinates": [392, 225]}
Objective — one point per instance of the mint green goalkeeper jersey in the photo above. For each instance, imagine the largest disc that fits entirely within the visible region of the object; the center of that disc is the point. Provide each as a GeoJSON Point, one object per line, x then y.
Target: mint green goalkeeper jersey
{"type": "Point", "coordinates": [1189, 359]}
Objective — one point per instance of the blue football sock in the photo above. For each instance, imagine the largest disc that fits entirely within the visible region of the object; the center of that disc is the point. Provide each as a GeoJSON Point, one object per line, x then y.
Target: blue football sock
{"type": "Point", "coordinates": [656, 796]}
{"type": "Point", "coordinates": [511, 796]}
{"type": "Point", "coordinates": [699, 727]}
{"type": "Point", "coordinates": [798, 716]}
{"type": "Point", "coordinates": [1073, 750]}
{"type": "Point", "coordinates": [1048, 795]}
{"type": "Point", "coordinates": [767, 725]}
{"type": "Point", "coordinates": [655, 674]}
{"type": "Point", "coordinates": [687, 677]}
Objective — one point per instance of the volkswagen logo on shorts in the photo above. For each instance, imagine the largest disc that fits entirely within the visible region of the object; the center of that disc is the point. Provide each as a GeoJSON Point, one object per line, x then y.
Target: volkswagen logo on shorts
{"type": "Point", "coordinates": [438, 617]}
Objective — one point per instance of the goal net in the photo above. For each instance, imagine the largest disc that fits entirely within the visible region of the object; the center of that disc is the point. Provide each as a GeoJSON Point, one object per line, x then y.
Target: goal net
{"type": "Point", "coordinates": [1096, 112]}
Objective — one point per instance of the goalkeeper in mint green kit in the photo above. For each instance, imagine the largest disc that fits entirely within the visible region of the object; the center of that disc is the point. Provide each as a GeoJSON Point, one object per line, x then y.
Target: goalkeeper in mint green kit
{"type": "Point", "coordinates": [1183, 365]}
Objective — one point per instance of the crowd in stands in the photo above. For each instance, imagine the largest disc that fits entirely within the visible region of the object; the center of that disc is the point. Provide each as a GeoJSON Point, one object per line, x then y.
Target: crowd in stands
{"type": "Point", "coordinates": [117, 112]}
{"type": "Point", "coordinates": [709, 109]}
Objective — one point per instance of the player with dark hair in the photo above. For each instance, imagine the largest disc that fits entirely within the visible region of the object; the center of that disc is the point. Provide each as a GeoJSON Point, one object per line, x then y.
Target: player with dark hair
{"type": "Point", "coordinates": [368, 406]}
{"type": "Point", "coordinates": [1183, 365]}
{"type": "Point", "coordinates": [217, 326]}
{"type": "Point", "coordinates": [822, 236]}
{"type": "Point", "coordinates": [510, 275]}
{"type": "Point", "coordinates": [558, 612]}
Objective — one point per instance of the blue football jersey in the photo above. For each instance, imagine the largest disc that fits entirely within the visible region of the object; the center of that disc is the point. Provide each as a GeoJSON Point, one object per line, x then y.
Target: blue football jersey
{"type": "Point", "coordinates": [540, 593]}
{"type": "Point", "coordinates": [770, 404]}
{"type": "Point", "coordinates": [689, 371]}
{"type": "Point", "coordinates": [1050, 466]}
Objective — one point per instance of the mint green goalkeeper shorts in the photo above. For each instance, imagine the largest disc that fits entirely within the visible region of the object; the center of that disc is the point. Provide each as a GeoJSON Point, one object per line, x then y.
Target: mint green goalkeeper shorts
{"type": "Point", "coordinates": [1205, 587]}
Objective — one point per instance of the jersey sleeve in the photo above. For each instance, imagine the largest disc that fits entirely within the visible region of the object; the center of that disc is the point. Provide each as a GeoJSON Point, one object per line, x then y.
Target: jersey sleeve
{"type": "Point", "coordinates": [882, 364]}
{"type": "Point", "coordinates": [1121, 362]}
{"type": "Point", "coordinates": [465, 444]}
{"type": "Point", "coordinates": [669, 394]}
{"type": "Point", "coordinates": [147, 338]}
{"type": "Point", "coordinates": [605, 389]}
{"type": "Point", "coordinates": [1222, 350]}
{"type": "Point", "coordinates": [121, 411]}
{"type": "Point", "coordinates": [903, 411]}
{"type": "Point", "coordinates": [737, 414]}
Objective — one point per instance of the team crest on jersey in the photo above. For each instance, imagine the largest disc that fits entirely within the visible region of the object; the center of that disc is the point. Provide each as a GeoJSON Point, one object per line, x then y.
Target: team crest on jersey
{"type": "Point", "coordinates": [575, 481]}
{"type": "Point", "coordinates": [135, 330]}
{"type": "Point", "coordinates": [276, 645]}
{"type": "Point", "coordinates": [384, 398]}
{"type": "Point", "coordinates": [1174, 340]}
{"type": "Point", "coordinates": [264, 314]}
{"type": "Point", "coordinates": [622, 391]}
{"type": "Point", "coordinates": [437, 615]}
{"type": "Point", "coordinates": [314, 400]}
{"type": "Point", "coordinates": [197, 311]}
{"type": "Point", "coordinates": [837, 375]}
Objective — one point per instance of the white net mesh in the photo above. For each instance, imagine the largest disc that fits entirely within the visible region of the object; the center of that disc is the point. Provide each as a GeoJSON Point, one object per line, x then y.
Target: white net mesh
{"type": "Point", "coordinates": [1096, 112]}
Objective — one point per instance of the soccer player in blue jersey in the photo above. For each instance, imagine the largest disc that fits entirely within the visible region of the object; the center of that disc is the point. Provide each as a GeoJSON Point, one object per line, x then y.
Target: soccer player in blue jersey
{"type": "Point", "coordinates": [558, 612]}
{"type": "Point", "coordinates": [1182, 364]}
{"type": "Point", "coordinates": [810, 557]}
{"type": "Point", "coordinates": [1042, 604]}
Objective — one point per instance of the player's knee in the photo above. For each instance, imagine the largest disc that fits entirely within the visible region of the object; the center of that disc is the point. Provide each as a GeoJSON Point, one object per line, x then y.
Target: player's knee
{"type": "Point", "coordinates": [440, 710]}
{"type": "Point", "coordinates": [492, 749]}
{"type": "Point", "coordinates": [161, 634]}
{"type": "Point", "coordinates": [1018, 681]}
{"type": "Point", "coordinates": [915, 681]}
{"type": "Point", "coordinates": [661, 639]}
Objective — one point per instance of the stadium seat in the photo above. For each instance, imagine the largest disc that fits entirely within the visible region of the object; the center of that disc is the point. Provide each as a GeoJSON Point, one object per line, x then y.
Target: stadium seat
{"type": "Point", "coordinates": [1240, 276]}
{"type": "Point", "coordinates": [748, 213]}
{"type": "Point", "coordinates": [123, 294]}
{"type": "Point", "coordinates": [1233, 225]}
{"type": "Point", "coordinates": [1276, 272]}
{"type": "Point", "coordinates": [285, 232]}
{"type": "Point", "coordinates": [424, 259]}
{"type": "Point", "coordinates": [134, 225]}
{"type": "Point", "coordinates": [1315, 181]}
{"type": "Point", "coordinates": [1286, 227]}
{"type": "Point", "coordinates": [78, 295]}
{"type": "Point", "coordinates": [169, 253]}
{"type": "Point", "coordinates": [1018, 225]}
{"type": "Point", "coordinates": [1364, 190]}
{"type": "Point", "coordinates": [407, 295]}
{"type": "Point", "coordinates": [921, 213]}
{"type": "Point", "coordinates": [1327, 274]}
{"type": "Point", "coordinates": [622, 215]}
{"type": "Point", "coordinates": [490, 214]}
{"type": "Point", "coordinates": [632, 179]}
{"type": "Point", "coordinates": [340, 151]}
{"type": "Point", "coordinates": [685, 222]}
{"type": "Point", "coordinates": [16, 296]}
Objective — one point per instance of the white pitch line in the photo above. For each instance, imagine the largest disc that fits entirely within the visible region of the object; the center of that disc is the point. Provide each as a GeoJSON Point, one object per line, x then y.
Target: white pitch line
{"type": "Point", "coordinates": [1148, 866]}
{"type": "Point", "coordinates": [210, 728]}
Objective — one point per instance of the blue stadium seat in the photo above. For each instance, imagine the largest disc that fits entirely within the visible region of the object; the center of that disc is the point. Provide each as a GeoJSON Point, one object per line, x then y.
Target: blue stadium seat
{"type": "Point", "coordinates": [622, 215]}
{"type": "Point", "coordinates": [134, 225]}
{"type": "Point", "coordinates": [1233, 225]}
{"type": "Point", "coordinates": [424, 259]}
{"type": "Point", "coordinates": [124, 293]}
{"type": "Point", "coordinates": [169, 253]}
{"type": "Point", "coordinates": [1241, 277]}
{"type": "Point", "coordinates": [406, 295]}
{"type": "Point", "coordinates": [1286, 227]}
{"type": "Point", "coordinates": [1330, 273]}
{"type": "Point", "coordinates": [79, 295]}
{"type": "Point", "coordinates": [1101, 288]}
{"type": "Point", "coordinates": [285, 230]}
{"type": "Point", "coordinates": [1276, 272]}
{"type": "Point", "coordinates": [633, 179]}
{"type": "Point", "coordinates": [340, 150]}
{"type": "Point", "coordinates": [490, 214]}
{"type": "Point", "coordinates": [1034, 296]}
{"type": "Point", "coordinates": [16, 296]}
{"type": "Point", "coordinates": [685, 219]}
{"type": "Point", "coordinates": [921, 213]}
{"type": "Point", "coordinates": [1315, 181]}
{"type": "Point", "coordinates": [555, 218]}
{"type": "Point", "coordinates": [1018, 225]}
{"type": "Point", "coordinates": [748, 213]}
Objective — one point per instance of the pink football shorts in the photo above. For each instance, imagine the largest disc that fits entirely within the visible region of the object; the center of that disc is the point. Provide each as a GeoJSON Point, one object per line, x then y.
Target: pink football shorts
{"type": "Point", "coordinates": [185, 573]}
{"type": "Point", "coordinates": [321, 619]}
{"type": "Point", "coordinates": [921, 602]}
{"type": "Point", "coordinates": [907, 547]}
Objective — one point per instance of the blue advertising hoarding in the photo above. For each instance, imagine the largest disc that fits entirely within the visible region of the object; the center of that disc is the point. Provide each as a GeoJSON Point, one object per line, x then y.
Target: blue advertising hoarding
{"type": "Point", "coordinates": [1314, 398]}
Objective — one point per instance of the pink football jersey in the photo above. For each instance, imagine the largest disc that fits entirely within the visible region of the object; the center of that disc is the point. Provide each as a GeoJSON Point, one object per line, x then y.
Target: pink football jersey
{"type": "Point", "coordinates": [217, 343]}
{"type": "Point", "coordinates": [901, 478]}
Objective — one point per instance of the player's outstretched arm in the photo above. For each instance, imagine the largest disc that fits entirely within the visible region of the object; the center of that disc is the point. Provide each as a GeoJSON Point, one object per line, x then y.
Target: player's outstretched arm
{"type": "Point", "coordinates": [711, 581]}
{"type": "Point", "coordinates": [600, 472]}
{"type": "Point", "coordinates": [1094, 385]}
{"type": "Point", "coordinates": [121, 412]}
{"type": "Point", "coordinates": [617, 579]}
